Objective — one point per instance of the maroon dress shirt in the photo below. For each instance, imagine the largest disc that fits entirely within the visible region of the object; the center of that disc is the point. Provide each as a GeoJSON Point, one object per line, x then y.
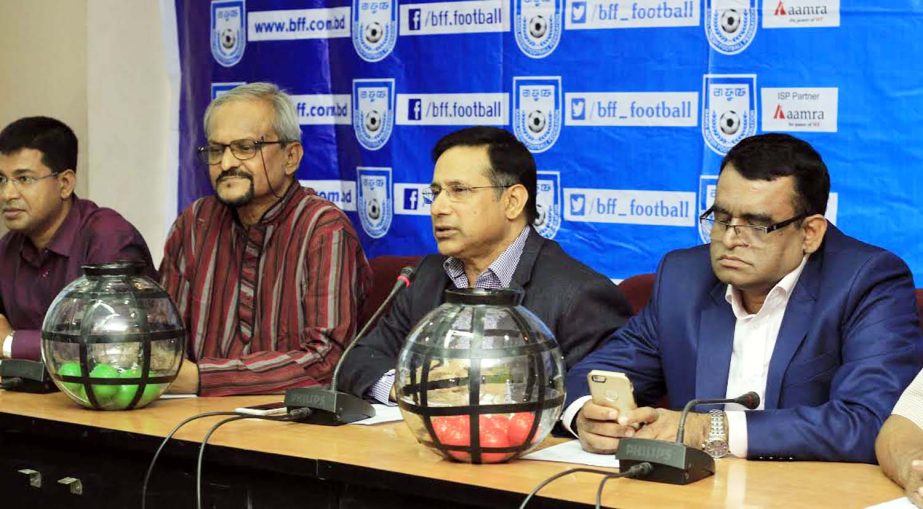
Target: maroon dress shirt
{"type": "Point", "coordinates": [30, 279]}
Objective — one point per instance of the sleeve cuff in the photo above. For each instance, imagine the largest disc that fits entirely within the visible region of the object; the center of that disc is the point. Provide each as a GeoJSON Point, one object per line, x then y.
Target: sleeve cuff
{"type": "Point", "coordinates": [381, 391]}
{"type": "Point", "coordinates": [737, 433]}
{"type": "Point", "coordinates": [570, 414]}
{"type": "Point", "coordinates": [8, 346]}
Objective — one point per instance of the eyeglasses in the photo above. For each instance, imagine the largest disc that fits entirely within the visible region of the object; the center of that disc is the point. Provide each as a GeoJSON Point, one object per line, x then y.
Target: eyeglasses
{"type": "Point", "coordinates": [241, 149]}
{"type": "Point", "coordinates": [23, 181]}
{"type": "Point", "coordinates": [456, 192]}
{"type": "Point", "coordinates": [749, 233]}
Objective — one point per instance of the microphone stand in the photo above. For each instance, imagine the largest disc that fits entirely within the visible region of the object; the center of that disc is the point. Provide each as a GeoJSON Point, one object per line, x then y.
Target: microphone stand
{"type": "Point", "coordinates": [329, 406]}
{"type": "Point", "coordinates": [675, 462]}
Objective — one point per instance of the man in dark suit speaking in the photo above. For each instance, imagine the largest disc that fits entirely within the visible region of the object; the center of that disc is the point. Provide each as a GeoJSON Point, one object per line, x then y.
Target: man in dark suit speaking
{"type": "Point", "coordinates": [821, 325]}
{"type": "Point", "coordinates": [483, 203]}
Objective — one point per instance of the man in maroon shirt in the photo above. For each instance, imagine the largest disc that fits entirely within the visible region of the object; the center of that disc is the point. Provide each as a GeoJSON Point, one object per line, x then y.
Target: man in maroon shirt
{"type": "Point", "coordinates": [266, 274]}
{"type": "Point", "coordinates": [52, 232]}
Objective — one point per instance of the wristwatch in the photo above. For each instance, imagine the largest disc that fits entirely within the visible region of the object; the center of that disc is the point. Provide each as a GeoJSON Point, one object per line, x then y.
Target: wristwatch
{"type": "Point", "coordinates": [716, 445]}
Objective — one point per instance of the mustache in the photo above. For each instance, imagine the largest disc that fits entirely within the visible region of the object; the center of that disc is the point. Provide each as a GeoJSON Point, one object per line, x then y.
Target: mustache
{"type": "Point", "coordinates": [234, 172]}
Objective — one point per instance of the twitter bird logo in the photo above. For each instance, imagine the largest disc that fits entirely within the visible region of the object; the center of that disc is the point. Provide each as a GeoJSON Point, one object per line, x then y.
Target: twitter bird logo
{"type": "Point", "coordinates": [578, 204]}
{"type": "Point", "coordinates": [578, 108]}
{"type": "Point", "coordinates": [578, 12]}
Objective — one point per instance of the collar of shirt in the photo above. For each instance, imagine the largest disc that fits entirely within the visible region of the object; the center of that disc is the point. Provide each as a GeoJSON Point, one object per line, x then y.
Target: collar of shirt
{"type": "Point", "coordinates": [500, 272]}
{"type": "Point", "coordinates": [61, 241]}
{"type": "Point", "coordinates": [777, 297]}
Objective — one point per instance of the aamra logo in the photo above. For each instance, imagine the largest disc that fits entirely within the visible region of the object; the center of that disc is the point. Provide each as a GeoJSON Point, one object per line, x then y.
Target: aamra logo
{"type": "Point", "coordinates": [537, 111]}
{"type": "Point", "coordinates": [730, 25]}
{"type": "Point", "coordinates": [229, 31]}
{"type": "Point", "coordinates": [548, 204]}
{"type": "Point", "coordinates": [373, 111]}
{"type": "Point", "coordinates": [538, 25]}
{"type": "Point", "coordinates": [375, 200]}
{"type": "Point", "coordinates": [728, 109]}
{"type": "Point", "coordinates": [708, 185]}
{"type": "Point", "coordinates": [374, 28]}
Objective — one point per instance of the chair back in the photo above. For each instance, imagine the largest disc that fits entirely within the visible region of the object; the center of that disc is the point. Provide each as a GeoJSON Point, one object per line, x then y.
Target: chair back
{"type": "Point", "coordinates": [385, 270]}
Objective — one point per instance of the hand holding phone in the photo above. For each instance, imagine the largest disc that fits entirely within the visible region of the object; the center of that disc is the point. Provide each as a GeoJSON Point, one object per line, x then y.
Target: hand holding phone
{"type": "Point", "coordinates": [611, 389]}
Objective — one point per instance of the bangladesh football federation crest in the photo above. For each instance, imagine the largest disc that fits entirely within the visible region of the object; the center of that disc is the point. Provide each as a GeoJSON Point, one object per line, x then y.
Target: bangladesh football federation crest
{"type": "Point", "coordinates": [373, 112]}
{"type": "Point", "coordinates": [728, 109]}
{"type": "Point", "coordinates": [548, 204]}
{"type": "Point", "coordinates": [374, 28]}
{"type": "Point", "coordinates": [375, 205]}
{"type": "Point", "coordinates": [537, 111]}
{"type": "Point", "coordinates": [730, 25]}
{"type": "Point", "coordinates": [229, 31]}
{"type": "Point", "coordinates": [538, 25]}
{"type": "Point", "coordinates": [708, 186]}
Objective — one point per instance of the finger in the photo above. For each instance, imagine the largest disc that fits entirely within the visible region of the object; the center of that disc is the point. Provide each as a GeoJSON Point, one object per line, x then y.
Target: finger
{"type": "Point", "coordinates": [643, 415]}
{"type": "Point", "coordinates": [598, 444]}
{"type": "Point", "coordinates": [917, 465]}
{"type": "Point", "coordinates": [604, 428]}
{"type": "Point", "coordinates": [598, 412]}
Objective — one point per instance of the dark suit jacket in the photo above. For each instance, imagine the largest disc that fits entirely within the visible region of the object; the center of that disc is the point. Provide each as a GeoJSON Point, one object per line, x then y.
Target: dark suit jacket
{"type": "Point", "coordinates": [579, 305]}
{"type": "Point", "coordinates": [848, 346]}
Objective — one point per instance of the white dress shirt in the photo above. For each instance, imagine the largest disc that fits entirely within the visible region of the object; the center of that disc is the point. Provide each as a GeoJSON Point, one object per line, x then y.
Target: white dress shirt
{"type": "Point", "coordinates": [754, 340]}
{"type": "Point", "coordinates": [911, 403]}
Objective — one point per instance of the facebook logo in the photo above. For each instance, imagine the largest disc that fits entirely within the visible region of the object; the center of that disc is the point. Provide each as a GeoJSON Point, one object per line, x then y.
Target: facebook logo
{"type": "Point", "coordinates": [578, 108]}
{"type": "Point", "coordinates": [411, 199]}
{"type": "Point", "coordinates": [415, 109]}
{"type": "Point", "coordinates": [578, 204]}
{"type": "Point", "coordinates": [578, 12]}
{"type": "Point", "coordinates": [415, 17]}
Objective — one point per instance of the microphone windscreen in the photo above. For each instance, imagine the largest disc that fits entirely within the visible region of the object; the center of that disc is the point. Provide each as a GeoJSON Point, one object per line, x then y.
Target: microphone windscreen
{"type": "Point", "coordinates": [407, 275]}
{"type": "Point", "coordinates": [750, 400]}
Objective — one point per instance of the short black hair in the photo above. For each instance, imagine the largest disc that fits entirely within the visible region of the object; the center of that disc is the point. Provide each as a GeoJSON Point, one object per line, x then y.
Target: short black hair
{"type": "Point", "coordinates": [51, 137]}
{"type": "Point", "coordinates": [770, 156]}
{"type": "Point", "coordinates": [510, 161]}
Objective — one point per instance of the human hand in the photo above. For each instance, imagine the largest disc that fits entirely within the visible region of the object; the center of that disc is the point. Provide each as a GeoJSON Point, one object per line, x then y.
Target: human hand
{"type": "Point", "coordinates": [662, 424]}
{"type": "Point", "coordinates": [599, 430]}
{"type": "Point", "coordinates": [5, 330]}
{"type": "Point", "coordinates": [914, 485]}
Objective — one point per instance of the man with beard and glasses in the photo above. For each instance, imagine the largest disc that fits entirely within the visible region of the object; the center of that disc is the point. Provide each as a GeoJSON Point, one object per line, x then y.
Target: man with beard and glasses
{"type": "Point", "coordinates": [267, 275]}
{"type": "Point", "coordinates": [52, 231]}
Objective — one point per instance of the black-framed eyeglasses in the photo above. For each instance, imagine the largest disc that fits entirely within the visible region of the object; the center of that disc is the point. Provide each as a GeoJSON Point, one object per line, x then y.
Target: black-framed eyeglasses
{"type": "Point", "coordinates": [746, 232]}
{"type": "Point", "coordinates": [456, 192]}
{"type": "Point", "coordinates": [24, 181]}
{"type": "Point", "coordinates": [241, 149]}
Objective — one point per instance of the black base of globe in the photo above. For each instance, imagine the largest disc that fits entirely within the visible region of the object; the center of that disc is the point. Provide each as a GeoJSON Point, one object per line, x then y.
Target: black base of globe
{"type": "Point", "coordinates": [673, 463]}
{"type": "Point", "coordinates": [329, 408]}
{"type": "Point", "coordinates": [26, 376]}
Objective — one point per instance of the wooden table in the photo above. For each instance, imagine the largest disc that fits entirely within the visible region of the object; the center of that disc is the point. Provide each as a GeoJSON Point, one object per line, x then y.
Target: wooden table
{"type": "Point", "coordinates": [358, 466]}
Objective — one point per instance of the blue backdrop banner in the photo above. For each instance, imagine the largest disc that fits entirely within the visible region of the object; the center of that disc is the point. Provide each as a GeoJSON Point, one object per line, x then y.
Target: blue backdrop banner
{"type": "Point", "coordinates": [628, 106]}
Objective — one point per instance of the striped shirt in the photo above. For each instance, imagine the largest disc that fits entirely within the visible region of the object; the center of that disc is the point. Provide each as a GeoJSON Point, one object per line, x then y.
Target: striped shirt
{"type": "Point", "coordinates": [269, 307]}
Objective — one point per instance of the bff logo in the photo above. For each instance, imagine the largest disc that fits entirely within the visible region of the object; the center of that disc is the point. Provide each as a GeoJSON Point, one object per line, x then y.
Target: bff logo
{"type": "Point", "coordinates": [730, 25]}
{"type": "Point", "coordinates": [537, 111]}
{"type": "Point", "coordinates": [538, 25]}
{"type": "Point", "coordinates": [728, 110]}
{"type": "Point", "coordinates": [228, 31]}
{"type": "Point", "coordinates": [373, 111]}
{"type": "Point", "coordinates": [548, 204]}
{"type": "Point", "coordinates": [374, 28]}
{"type": "Point", "coordinates": [375, 206]}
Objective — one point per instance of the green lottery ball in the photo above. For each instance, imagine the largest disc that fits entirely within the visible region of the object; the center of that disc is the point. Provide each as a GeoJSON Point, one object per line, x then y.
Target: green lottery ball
{"type": "Point", "coordinates": [71, 369]}
{"type": "Point", "coordinates": [127, 392]}
{"type": "Point", "coordinates": [104, 392]}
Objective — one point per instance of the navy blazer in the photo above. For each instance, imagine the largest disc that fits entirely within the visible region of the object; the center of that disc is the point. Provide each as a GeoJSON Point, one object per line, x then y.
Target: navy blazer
{"type": "Point", "coordinates": [579, 305]}
{"type": "Point", "coordinates": [848, 345]}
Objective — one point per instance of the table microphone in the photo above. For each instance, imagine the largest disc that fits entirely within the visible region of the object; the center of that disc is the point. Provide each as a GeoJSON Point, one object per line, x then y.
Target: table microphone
{"type": "Point", "coordinates": [675, 462]}
{"type": "Point", "coordinates": [329, 406]}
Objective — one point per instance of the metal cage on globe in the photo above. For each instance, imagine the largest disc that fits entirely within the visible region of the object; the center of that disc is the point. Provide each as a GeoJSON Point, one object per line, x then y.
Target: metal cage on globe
{"type": "Point", "coordinates": [480, 378]}
{"type": "Point", "coordinates": [112, 339]}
